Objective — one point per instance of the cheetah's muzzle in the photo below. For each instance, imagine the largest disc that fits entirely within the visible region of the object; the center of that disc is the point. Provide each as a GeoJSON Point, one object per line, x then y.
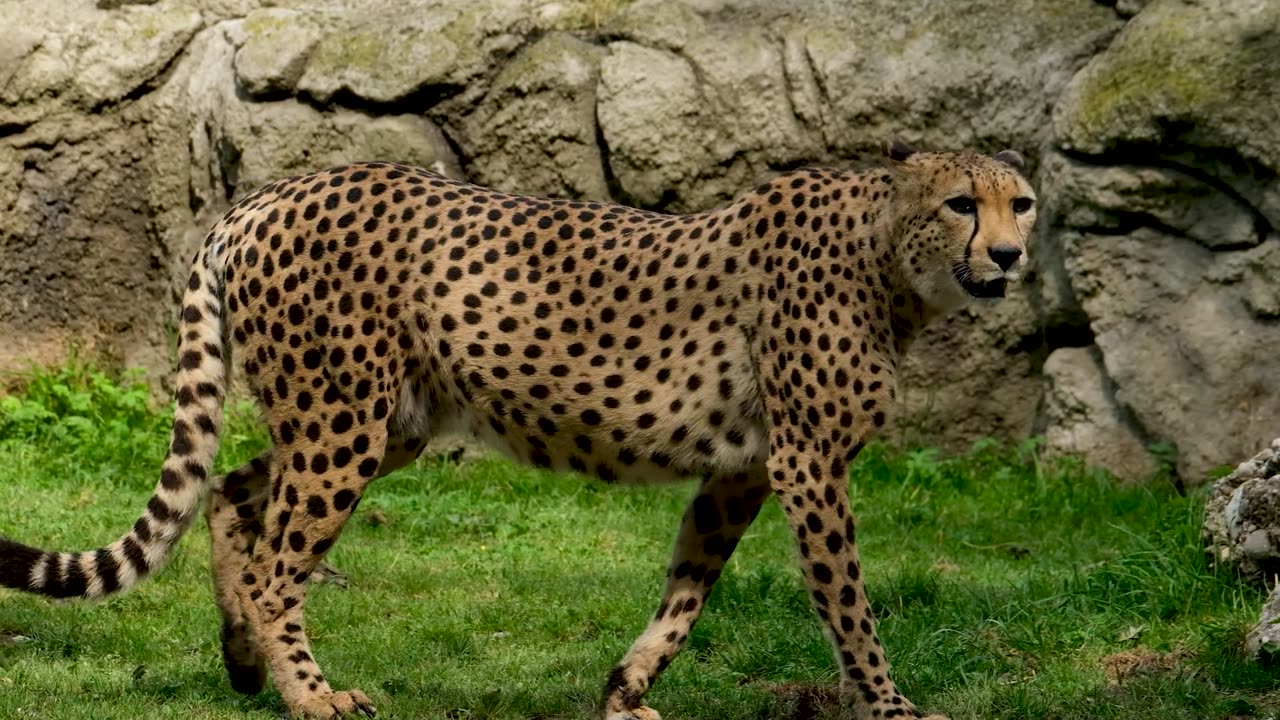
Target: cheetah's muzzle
{"type": "Point", "coordinates": [985, 289]}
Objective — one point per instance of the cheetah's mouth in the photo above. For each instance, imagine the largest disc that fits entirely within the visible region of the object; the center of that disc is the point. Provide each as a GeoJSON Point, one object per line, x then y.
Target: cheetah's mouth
{"type": "Point", "coordinates": [978, 288]}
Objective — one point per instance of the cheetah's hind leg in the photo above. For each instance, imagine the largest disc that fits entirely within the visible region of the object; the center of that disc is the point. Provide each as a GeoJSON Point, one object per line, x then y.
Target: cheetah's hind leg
{"type": "Point", "coordinates": [234, 515]}
{"type": "Point", "coordinates": [235, 520]}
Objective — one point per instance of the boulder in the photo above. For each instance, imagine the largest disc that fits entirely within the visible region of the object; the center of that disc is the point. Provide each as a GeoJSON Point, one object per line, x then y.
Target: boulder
{"type": "Point", "coordinates": [1082, 417]}
{"type": "Point", "coordinates": [970, 376]}
{"type": "Point", "coordinates": [1178, 327]}
{"type": "Point", "coordinates": [535, 130]}
{"type": "Point", "coordinates": [1114, 198]}
{"type": "Point", "coordinates": [436, 49]}
{"type": "Point", "coordinates": [936, 74]}
{"type": "Point", "coordinates": [274, 52]}
{"type": "Point", "coordinates": [1166, 198]}
{"type": "Point", "coordinates": [58, 57]}
{"type": "Point", "coordinates": [1191, 81]}
{"type": "Point", "coordinates": [236, 145]}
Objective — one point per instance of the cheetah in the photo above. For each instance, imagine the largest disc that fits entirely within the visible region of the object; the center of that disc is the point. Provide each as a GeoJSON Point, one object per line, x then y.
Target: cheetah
{"type": "Point", "coordinates": [375, 305]}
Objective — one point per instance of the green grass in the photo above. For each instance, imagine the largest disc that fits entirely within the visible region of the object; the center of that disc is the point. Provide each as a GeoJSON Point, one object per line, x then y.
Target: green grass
{"type": "Point", "coordinates": [487, 590]}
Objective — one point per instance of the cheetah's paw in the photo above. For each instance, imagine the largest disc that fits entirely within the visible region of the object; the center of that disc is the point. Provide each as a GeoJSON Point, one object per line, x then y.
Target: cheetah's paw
{"type": "Point", "coordinates": [336, 704]}
{"type": "Point", "coordinates": [640, 713]}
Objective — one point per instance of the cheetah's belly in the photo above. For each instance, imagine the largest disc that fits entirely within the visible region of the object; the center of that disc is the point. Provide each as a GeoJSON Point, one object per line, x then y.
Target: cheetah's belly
{"type": "Point", "coordinates": [704, 415]}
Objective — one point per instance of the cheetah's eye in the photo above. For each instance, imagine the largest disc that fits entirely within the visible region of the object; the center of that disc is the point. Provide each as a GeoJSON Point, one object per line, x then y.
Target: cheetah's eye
{"type": "Point", "coordinates": [962, 205]}
{"type": "Point", "coordinates": [1022, 205]}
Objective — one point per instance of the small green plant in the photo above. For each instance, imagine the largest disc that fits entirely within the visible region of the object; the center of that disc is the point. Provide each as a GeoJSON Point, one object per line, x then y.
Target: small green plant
{"type": "Point", "coordinates": [77, 402]}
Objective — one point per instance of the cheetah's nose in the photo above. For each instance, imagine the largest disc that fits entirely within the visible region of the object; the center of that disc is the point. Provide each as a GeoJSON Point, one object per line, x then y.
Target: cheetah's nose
{"type": "Point", "coordinates": [1004, 255]}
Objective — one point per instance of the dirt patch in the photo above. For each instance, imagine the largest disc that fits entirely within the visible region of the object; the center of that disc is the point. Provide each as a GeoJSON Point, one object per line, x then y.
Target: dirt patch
{"type": "Point", "coordinates": [806, 701]}
{"type": "Point", "coordinates": [1139, 661]}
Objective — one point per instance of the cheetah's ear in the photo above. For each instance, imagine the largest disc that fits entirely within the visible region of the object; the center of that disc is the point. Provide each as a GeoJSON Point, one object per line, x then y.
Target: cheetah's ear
{"type": "Point", "coordinates": [897, 151]}
{"type": "Point", "coordinates": [1013, 159]}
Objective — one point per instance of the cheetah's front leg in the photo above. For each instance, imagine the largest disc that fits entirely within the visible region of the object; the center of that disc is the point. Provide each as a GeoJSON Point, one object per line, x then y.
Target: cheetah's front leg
{"type": "Point", "coordinates": [814, 496]}
{"type": "Point", "coordinates": [716, 519]}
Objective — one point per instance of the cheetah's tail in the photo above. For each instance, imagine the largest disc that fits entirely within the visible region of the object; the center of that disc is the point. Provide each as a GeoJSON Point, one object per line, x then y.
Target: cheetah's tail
{"type": "Point", "coordinates": [184, 478]}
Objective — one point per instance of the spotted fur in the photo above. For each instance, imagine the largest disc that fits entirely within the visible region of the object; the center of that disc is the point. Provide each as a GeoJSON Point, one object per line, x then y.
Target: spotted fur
{"type": "Point", "coordinates": [375, 305]}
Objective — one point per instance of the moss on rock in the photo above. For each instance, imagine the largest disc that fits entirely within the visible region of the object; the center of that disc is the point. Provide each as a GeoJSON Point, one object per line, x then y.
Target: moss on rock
{"type": "Point", "coordinates": [1178, 64]}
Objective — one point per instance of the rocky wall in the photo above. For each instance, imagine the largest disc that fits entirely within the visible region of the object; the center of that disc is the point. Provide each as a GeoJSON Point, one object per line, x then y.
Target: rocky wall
{"type": "Point", "coordinates": [126, 128]}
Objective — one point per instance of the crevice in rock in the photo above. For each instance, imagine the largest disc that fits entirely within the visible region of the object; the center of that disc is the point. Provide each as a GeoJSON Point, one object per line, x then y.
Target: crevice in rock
{"type": "Point", "coordinates": [789, 86]}
{"type": "Point", "coordinates": [611, 182]}
{"type": "Point", "coordinates": [15, 128]}
{"type": "Point", "coordinates": [419, 102]}
{"type": "Point", "coordinates": [464, 160]}
{"type": "Point", "coordinates": [1067, 328]}
{"type": "Point", "coordinates": [786, 166]}
{"type": "Point", "coordinates": [824, 97]}
{"type": "Point", "coordinates": [228, 156]}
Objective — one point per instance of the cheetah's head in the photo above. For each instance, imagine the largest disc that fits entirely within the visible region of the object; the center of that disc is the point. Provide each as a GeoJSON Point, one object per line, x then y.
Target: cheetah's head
{"type": "Point", "coordinates": [964, 220]}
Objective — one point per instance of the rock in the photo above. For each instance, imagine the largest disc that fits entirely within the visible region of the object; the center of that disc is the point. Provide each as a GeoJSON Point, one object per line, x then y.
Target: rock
{"type": "Point", "coordinates": [440, 48]}
{"type": "Point", "coordinates": [276, 47]}
{"type": "Point", "coordinates": [1171, 144]}
{"type": "Point", "coordinates": [653, 146]}
{"type": "Point", "coordinates": [1082, 417]}
{"type": "Point", "coordinates": [535, 131]}
{"type": "Point", "coordinates": [1129, 8]}
{"type": "Point", "coordinates": [1188, 74]}
{"type": "Point", "coordinates": [1242, 533]}
{"type": "Point", "coordinates": [692, 127]}
{"type": "Point", "coordinates": [1263, 641]}
{"type": "Point", "coordinates": [1118, 197]}
{"type": "Point", "coordinates": [1242, 518]}
{"type": "Point", "coordinates": [79, 270]}
{"type": "Point", "coordinates": [722, 86]}
{"type": "Point", "coordinates": [1179, 339]}
{"type": "Point", "coordinates": [934, 74]}
{"type": "Point", "coordinates": [237, 145]}
{"type": "Point", "coordinates": [60, 59]}
{"type": "Point", "coordinates": [951, 394]}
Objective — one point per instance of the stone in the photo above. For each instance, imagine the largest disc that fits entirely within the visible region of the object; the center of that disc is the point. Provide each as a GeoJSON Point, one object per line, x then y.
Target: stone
{"type": "Point", "coordinates": [967, 377]}
{"type": "Point", "coordinates": [1241, 528]}
{"type": "Point", "coordinates": [653, 146]}
{"type": "Point", "coordinates": [79, 273]}
{"type": "Point", "coordinates": [276, 47]}
{"type": "Point", "coordinates": [1179, 339]}
{"type": "Point", "coordinates": [1082, 417]}
{"type": "Point", "coordinates": [237, 145]}
{"type": "Point", "coordinates": [935, 75]}
{"type": "Point", "coordinates": [60, 59]}
{"type": "Point", "coordinates": [1114, 198]}
{"type": "Point", "coordinates": [1263, 641]}
{"type": "Point", "coordinates": [535, 131]}
{"type": "Point", "coordinates": [1183, 77]}
{"type": "Point", "coordinates": [436, 48]}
